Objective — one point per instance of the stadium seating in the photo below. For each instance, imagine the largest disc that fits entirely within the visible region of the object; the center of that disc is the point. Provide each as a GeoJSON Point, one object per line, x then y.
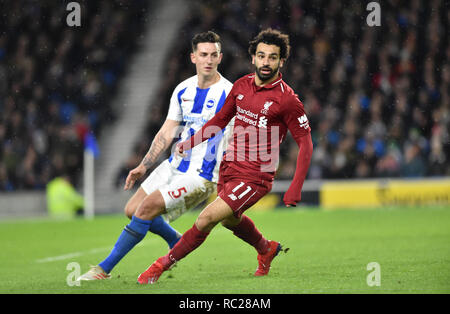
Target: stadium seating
{"type": "Point", "coordinates": [56, 83]}
{"type": "Point", "coordinates": [377, 100]}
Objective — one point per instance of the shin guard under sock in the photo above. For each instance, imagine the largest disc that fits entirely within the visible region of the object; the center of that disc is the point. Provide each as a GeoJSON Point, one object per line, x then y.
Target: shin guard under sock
{"type": "Point", "coordinates": [190, 240]}
{"type": "Point", "coordinates": [247, 231]}
{"type": "Point", "coordinates": [132, 234]}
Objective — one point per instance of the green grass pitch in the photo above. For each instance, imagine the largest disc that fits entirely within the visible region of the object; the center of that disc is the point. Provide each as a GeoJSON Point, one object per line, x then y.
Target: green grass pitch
{"type": "Point", "coordinates": [329, 253]}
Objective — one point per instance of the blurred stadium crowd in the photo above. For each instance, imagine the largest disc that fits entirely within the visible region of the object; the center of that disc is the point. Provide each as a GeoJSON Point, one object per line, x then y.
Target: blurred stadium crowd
{"type": "Point", "coordinates": [56, 83]}
{"type": "Point", "coordinates": [378, 98]}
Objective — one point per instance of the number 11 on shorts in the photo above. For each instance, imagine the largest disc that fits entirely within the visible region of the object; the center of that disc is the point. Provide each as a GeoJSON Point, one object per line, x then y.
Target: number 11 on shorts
{"type": "Point", "coordinates": [234, 197]}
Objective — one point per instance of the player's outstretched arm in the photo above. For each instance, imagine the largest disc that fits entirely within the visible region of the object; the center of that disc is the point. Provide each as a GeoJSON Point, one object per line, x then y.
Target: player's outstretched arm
{"type": "Point", "coordinates": [160, 143]}
{"type": "Point", "coordinates": [212, 127]}
{"type": "Point", "coordinates": [294, 116]}
{"type": "Point", "coordinates": [294, 193]}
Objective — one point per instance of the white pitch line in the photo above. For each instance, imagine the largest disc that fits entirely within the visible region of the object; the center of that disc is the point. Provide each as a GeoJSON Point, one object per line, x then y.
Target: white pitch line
{"type": "Point", "coordinates": [71, 255]}
{"type": "Point", "coordinates": [81, 253]}
{"type": "Point", "coordinates": [101, 250]}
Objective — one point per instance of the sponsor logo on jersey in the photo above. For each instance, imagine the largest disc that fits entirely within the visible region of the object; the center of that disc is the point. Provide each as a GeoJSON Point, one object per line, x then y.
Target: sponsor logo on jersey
{"type": "Point", "coordinates": [304, 123]}
{"type": "Point", "coordinates": [246, 116]}
{"type": "Point", "coordinates": [249, 116]}
{"type": "Point", "coordinates": [247, 112]}
{"type": "Point", "coordinates": [195, 119]}
{"type": "Point", "coordinates": [240, 97]}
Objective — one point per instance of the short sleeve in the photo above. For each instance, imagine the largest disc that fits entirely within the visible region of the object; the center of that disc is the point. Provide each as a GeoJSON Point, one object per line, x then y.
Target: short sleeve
{"type": "Point", "coordinates": [175, 113]}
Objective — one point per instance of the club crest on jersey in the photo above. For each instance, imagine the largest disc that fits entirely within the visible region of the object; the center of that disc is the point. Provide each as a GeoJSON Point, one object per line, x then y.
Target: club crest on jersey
{"type": "Point", "coordinates": [210, 103]}
{"type": "Point", "coordinates": [262, 123]}
{"type": "Point", "coordinates": [266, 105]}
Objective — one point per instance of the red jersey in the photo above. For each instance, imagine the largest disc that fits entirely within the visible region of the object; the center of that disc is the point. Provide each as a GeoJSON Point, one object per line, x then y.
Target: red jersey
{"type": "Point", "coordinates": [263, 114]}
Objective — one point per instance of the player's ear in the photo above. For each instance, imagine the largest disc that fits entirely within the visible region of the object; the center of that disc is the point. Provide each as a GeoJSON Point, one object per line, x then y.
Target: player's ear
{"type": "Point", "coordinates": [282, 62]}
{"type": "Point", "coordinates": [220, 57]}
{"type": "Point", "coordinates": [193, 60]}
{"type": "Point", "coordinates": [253, 59]}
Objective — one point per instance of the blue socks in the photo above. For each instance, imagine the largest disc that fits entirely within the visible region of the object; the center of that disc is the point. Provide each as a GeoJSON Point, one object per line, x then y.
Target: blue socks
{"type": "Point", "coordinates": [160, 227]}
{"type": "Point", "coordinates": [133, 233]}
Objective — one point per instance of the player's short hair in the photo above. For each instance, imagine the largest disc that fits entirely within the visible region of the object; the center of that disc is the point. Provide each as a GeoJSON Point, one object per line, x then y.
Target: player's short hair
{"type": "Point", "coordinates": [271, 37]}
{"type": "Point", "coordinates": [206, 37]}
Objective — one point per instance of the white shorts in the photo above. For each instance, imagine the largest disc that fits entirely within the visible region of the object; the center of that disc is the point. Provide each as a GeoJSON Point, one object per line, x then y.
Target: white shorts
{"type": "Point", "coordinates": [181, 191]}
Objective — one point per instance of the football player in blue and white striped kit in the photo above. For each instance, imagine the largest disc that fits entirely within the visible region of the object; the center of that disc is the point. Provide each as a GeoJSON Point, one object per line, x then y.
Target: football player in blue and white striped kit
{"type": "Point", "coordinates": [177, 184]}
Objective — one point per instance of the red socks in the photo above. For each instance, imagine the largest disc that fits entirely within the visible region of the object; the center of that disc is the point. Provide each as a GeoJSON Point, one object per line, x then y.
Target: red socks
{"type": "Point", "coordinates": [190, 240]}
{"type": "Point", "coordinates": [246, 230]}
{"type": "Point", "coordinates": [193, 238]}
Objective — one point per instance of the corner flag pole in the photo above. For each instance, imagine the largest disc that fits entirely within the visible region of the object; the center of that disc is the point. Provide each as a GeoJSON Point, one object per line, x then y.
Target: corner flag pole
{"type": "Point", "coordinates": [88, 185]}
{"type": "Point", "coordinates": [91, 152]}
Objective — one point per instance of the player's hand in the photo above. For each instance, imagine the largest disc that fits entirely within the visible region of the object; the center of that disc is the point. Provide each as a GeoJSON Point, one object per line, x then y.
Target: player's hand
{"type": "Point", "coordinates": [291, 199]}
{"type": "Point", "coordinates": [134, 175]}
{"type": "Point", "coordinates": [179, 150]}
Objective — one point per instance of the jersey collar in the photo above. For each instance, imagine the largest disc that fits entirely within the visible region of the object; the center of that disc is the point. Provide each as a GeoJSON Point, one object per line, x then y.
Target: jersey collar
{"type": "Point", "coordinates": [268, 86]}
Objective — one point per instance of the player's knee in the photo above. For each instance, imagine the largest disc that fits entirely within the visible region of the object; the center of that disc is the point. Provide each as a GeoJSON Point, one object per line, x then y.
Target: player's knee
{"type": "Point", "coordinates": [129, 210]}
{"type": "Point", "coordinates": [205, 222]}
{"type": "Point", "coordinates": [152, 205]}
{"type": "Point", "coordinates": [134, 202]}
{"type": "Point", "coordinates": [150, 208]}
{"type": "Point", "coordinates": [147, 212]}
{"type": "Point", "coordinates": [225, 224]}
{"type": "Point", "coordinates": [230, 222]}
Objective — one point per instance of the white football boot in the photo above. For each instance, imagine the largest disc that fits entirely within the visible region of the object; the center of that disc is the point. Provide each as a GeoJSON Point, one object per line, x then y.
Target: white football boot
{"type": "Point", "coordinates": [95, 273]}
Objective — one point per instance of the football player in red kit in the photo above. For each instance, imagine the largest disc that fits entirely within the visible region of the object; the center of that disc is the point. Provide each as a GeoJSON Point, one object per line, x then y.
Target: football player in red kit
{"type": "Point", "coordinates": [264, 108]}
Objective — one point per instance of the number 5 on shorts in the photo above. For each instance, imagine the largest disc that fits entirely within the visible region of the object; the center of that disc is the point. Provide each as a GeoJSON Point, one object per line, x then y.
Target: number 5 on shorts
{"type": "Point", "coordinates": [178, 192]}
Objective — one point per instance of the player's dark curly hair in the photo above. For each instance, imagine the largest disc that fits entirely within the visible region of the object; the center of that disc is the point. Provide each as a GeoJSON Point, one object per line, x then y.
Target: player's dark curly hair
{"type": "Point", "coordinates": [206, 37]}
{"type": "Point", "coordinates": [271, 37]}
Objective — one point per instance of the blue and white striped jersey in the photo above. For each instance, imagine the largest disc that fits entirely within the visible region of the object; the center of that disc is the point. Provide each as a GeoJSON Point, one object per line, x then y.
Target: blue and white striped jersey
{"type": "Point", "coordinates": [193, 107]}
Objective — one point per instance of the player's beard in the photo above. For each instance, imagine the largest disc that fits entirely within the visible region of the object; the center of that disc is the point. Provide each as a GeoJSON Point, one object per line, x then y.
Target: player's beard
{"type": "Point", "coordinates": [266, 77]}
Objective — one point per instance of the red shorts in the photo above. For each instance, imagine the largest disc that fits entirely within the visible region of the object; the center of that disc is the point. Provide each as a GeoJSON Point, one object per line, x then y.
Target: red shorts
{"type": "Point", "coordinates": [240, 190]}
